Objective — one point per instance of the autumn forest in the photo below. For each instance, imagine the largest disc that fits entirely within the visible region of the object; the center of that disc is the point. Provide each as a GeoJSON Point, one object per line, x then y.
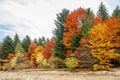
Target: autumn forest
{"type": "Point", "coordinates": [81, 39]}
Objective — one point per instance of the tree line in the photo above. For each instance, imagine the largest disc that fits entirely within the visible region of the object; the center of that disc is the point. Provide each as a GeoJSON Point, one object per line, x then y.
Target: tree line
{"type": "Point", "coordinates": [81, 40]}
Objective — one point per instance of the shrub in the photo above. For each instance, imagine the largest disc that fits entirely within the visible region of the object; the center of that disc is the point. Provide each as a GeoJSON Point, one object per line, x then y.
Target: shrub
{"type": "Point", "coordinates": [56, 62]}
{"type": "Point", "coordinates": [45, 64]}
{"type": "Point", "coordinates": [13, 62]}
{"type": "Point", "coordinates": [1, 67]}
{"type": "Point", "coordinates": [85, 58]}
{"type": "Point", "coordinates": [17, 59]}
{"type": "Point", "coordinates": [6, 66]}
{"type": "Point", "coordinates": [71, 62]}
{"type": "Point", "coordinates": [23, 65]}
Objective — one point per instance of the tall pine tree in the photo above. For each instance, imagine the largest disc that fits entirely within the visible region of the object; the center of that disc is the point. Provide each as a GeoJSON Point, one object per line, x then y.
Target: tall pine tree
{"type": "Point", "coordinates": [36, 41]}
{"type": "Point", "coordinates": [42, 41]}
{"type": "Point", "coordinates": [102, 11]}
{"type": "Point", "coordinates": [0, 51]}
{"type": "Point", "coordinates": [58, 33]}
{"type": "Point", "coordinates": [116, 12]}
{"type": "Point", "coordinates": [87, 22]}
{"type": "Point", "coordinates": [7, 47]}
{"type": "Point", "coordinates": [15, 41]}
{"type": "Point", "coordinates": [26, 42]}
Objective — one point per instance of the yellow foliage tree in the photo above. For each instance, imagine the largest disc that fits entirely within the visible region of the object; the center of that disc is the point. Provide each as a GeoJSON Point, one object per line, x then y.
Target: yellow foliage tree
{"type": "Point", "coordinates": [19, 58]}
{"type": "Point", "coordinates": [37, 56]}
{"type": "Point", "coordinates": [101, 47]}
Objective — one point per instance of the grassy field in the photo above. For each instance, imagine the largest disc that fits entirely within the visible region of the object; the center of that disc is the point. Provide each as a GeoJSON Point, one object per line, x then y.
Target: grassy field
{"type": "Point", "coordinates": [40, 74]}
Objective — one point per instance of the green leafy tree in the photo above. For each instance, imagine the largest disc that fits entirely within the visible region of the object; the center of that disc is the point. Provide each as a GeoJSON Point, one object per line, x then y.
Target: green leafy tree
{"type": "Point", "coordinates": [19, 48]}
{"type": "Point", "coordinates": [26, 42]}
{"type": "Point", "coordinates": [7, 47]}
{"type": "Point", "coordinates": [116, 12]}
{"type": "Point", "coordinates": [58, 33]}
{"type": "Point", "coordinates": [102, 11]}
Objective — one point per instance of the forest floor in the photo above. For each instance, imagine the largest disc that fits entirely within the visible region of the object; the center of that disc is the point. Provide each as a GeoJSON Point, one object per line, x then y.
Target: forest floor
{"type": "Point", "coordinates": [41, 74]}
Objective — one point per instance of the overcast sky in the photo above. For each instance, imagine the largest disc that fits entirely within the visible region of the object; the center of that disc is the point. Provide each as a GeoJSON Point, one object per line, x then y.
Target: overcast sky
{"type": "Point", "coordinates": [36, 17]}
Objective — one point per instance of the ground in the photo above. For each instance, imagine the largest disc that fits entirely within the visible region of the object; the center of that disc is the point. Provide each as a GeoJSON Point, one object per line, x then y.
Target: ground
{"type": "Point", "coordinates": [40, 74]}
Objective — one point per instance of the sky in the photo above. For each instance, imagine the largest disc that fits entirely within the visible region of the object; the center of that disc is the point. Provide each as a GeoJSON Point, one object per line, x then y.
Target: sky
{"type": "Point", "coordinates": [36, 17]}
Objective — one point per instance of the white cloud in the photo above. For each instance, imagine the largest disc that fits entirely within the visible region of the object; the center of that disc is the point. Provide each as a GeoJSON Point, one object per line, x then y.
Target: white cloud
{"type": "Point", "coordinates": [36, 17]}
{"type": "Point", "coordinates": [31, 19]}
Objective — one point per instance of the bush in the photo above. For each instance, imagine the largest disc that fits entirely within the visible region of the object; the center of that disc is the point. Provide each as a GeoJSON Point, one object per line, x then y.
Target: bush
{"type": "Point", "coordinates": [16, 60]}
{"type": "Point", "coordinates": [56, 62]}
{"type": "Point", "coordinates": [116, 60]}
{"type": "Point", "coordinates": [85, 58]}
{"type": "Point", "coordinates": [23, 65]}
{"type": "Point", "coordinates": [71, 62]}
{"type": "Point", "coordinates": [101, 67]}
{"type": "Point", "coordinates": [1, 67]}
{"type": "Point", "coordinates": [13, 62]}
{"type": "Point", "coordinates": [45, 64]}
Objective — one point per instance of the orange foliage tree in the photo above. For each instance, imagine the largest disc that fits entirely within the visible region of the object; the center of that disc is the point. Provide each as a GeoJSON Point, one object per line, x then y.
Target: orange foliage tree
{"type": "Point", "coordinates": [10, 56]}
{"type": "Point", "coordinates": [98, 20]}
{"type": "Point", "coordinates": [49, 48]}
{"type": "Point", "coordinates": [31, 49]}
{"type": "Point", "coordinates": [114, 31]}
{"type": "Point", "coordinates": [73, 32]}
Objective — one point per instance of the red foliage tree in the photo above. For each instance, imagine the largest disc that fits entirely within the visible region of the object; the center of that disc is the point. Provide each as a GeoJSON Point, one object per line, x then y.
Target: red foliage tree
{"type": "Point", "coordinates": [72, 26]}
{"type": "Point", "coordinates": [49, 48]}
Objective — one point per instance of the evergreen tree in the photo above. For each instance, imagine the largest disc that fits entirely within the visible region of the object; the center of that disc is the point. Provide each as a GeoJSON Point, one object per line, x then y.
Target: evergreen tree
{"type": "Point", "coordinates": [87, 22]}
{"type": "Point", "coordinates": [26, 42]}
{"type": "Point", "coordinates": [75, 42]}
{"type": "Point", "coordinates": [15, 41]}
{"type": "Point", "coordinates": [36, 41]}
{"type": "Point", "coordinates": [58, 33]}
{"type": "Point", "coordinates": [7, 47]}
{"type": "Point", "coordinates": [90, 15]}
{"type": "Point", "coordinates": [0, 51]}
{"type": "Point", "coordinates": [42, 41]}
{"type": "Point", "coordinates": [19, 48]}
{"type": "Point", "coordinates": [102, 11]}
{"type": "Point", "coordinates": [86, 26]}
{"type": "Point", "coordinates": [116, 12]}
